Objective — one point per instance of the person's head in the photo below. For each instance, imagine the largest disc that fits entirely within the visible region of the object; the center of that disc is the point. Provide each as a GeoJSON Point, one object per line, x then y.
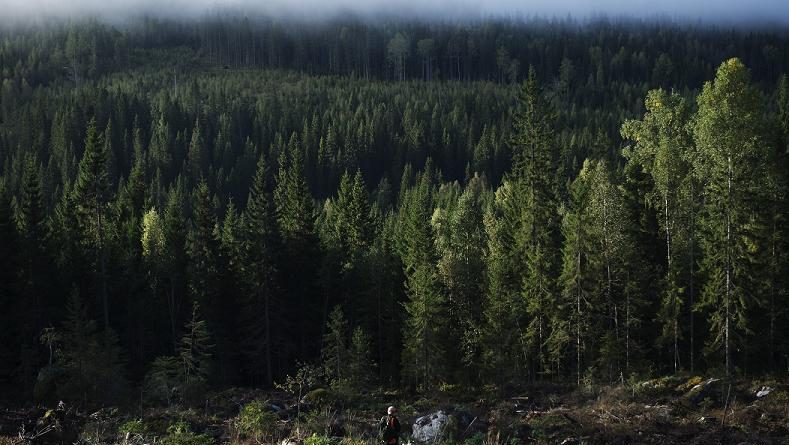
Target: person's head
{"type": "Point", "coordinates": [391, 411]}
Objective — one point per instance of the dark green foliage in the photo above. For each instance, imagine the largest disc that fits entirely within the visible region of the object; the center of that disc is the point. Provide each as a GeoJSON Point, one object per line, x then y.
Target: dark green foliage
{"type": "Point", "coordinates": [507, 237]}
{"type": "Point", "coordinates": [91, 361]}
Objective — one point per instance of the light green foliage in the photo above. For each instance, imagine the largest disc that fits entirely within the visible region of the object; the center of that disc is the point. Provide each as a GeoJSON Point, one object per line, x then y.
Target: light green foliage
{"type": "Point", "coordinates": [503, 351]}
{"type": "Point", "coordinates": [180, 433]}
{"type": "Point", "coordinates": [461, 245]}
{"type": "Point", "coordinates": [320, 439]}
{"type": "Point", "coordinates": [728, 133]}
{"type": "Point", "coordinates": [256, 421]}
{"type": "Point", "coordinates": [153, 237]}
{"type": "Point", "coordinates": [136, 426]}
{"type": "Point", "coordinates": [664, 149]}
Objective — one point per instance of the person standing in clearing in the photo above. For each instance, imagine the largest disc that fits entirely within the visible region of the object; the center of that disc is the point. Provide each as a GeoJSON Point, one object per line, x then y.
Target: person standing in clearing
{"type": "Point", "coordinates": [390, 427]}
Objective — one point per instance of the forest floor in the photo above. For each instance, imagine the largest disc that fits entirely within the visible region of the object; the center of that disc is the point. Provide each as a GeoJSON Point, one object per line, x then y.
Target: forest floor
{"type": "Point", "coordinates": [669, 410]}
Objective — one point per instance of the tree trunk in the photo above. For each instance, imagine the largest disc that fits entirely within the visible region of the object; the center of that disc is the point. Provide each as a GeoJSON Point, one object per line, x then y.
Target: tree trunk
{"type": "Point", "coordinates": [728, 266]}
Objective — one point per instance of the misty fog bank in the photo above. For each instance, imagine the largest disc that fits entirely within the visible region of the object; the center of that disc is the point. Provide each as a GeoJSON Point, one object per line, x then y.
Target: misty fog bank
{"type": "Point", "coordinates": [725, 12]}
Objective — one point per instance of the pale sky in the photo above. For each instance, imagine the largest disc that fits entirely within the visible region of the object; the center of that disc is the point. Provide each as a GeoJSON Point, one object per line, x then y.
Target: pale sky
{"type": "Point", "coordinates": [776, 11]}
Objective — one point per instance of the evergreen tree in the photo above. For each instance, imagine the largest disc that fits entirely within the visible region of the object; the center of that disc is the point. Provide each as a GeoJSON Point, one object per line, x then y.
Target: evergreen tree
{"type": "Point", "coordinates": [197, 157]}
{"type": "Point", "coordinates": [195, 349]}
{"type": "Point", "coordinates": [572, 317]}
{"type": "Point", "coordinates": [537, 236]}
{"type": "Point", "coordinates": [175, 259]}
{"type": "Point", "coordinates": [33, 233]}
{"type": "Point", "coordinates": [259, 253]}
{"type": "Point", "coordinates": [92, 196]}
{"type": "Point", "coordinates": [9, 335]}
{"type": "Point", "coordinates": [361, 368]}
{"type": "Point", "coordinates": [92, 361]}
{"type": "Point", "coordinates": [424, 331]}
{"type": "Point", "coordinates": [334, 353]}
{"type": "Point", "coordinates": [295, 222]}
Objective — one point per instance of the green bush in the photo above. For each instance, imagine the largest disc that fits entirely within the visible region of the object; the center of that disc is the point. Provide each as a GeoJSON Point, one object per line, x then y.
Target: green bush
{"type": "Point", "coordinates": [133, 427]}
{"type": "Point", "coordinates": [256, 421]}
{"type": "Point", "coordinates": [477, 438]}
{"type": "Point", "coordinates": [320, 439]}
{"type": "Point", "coordinates": [180, 433]}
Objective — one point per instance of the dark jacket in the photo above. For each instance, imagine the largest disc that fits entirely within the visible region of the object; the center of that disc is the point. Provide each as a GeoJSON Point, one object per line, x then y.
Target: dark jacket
{"type": "Point", "coordinates": [390, 429]}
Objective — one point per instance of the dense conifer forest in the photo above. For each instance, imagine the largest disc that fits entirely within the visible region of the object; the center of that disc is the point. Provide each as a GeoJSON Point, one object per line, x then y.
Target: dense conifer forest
{"type": "Point", "coordinates": [251, 202]}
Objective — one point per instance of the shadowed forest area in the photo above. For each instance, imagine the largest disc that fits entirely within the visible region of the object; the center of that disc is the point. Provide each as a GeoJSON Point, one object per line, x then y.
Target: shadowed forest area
{"type": "Point", "coordinates": [253, 230]}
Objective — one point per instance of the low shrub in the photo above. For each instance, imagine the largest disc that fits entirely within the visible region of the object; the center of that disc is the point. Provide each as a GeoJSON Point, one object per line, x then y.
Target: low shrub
{"type": "Point", "coordinates": [256, 421]}
{"type": "Point", "coordinates": [180, 433]}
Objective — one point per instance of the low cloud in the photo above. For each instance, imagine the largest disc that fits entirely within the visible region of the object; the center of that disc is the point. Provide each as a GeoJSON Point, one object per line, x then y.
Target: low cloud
{"type": "Point", "coordinates": [736, 11]}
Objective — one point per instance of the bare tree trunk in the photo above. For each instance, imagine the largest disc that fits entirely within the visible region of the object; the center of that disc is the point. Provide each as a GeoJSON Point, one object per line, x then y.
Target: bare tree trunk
{"type": "Point", "coordinates": [266, 312]}
{"type": "Point", "coordinates": [692, 239]}
{"type": "Point", "coordinates": [578, 322]}
{"type": "Point", "coordinates": [728, 266]}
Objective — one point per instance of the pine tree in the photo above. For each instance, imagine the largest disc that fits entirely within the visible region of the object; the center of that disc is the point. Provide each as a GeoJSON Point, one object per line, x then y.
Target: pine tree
{"type": "Point", "coordinates": [197, 157]}
{"type": "Point", "coordinates": [537, 236]}
{"type": "Point", "coordinates": [728, 136]}
{"type": "Point", "coordinates": [175, 259]}
{"type": "Point", "coordinates": [93, 362]}
{"type": "Point", "coordinates": [361, 368]}
{"type": "Point", "coordinates": [572, 317]}
{"type": "Point", "coordinates": [295, 222]}
{"type": "Point", "coordinates": [203, 247]}
{"type": "Point", "coordinates": [334, 353]}
{"type": "Point", "coordinates": [33, 233]}
{"type": "Point", "coordinates": [783, 109]}
{"type": "Point", "coordinates": [92, 196]}
{"type": "Point", "coordinates": [195, 349]}
{"type": "Point", "coordinates": [259, 237]}
{"type": "Point", "coordinates": [9, 335]}
{"type": "Point", "coordinates": [424, 331]}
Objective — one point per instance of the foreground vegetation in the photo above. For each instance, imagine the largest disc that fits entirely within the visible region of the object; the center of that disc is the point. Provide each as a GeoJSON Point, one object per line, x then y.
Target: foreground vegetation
{"type": "Point", "coordinates": [660, 411]}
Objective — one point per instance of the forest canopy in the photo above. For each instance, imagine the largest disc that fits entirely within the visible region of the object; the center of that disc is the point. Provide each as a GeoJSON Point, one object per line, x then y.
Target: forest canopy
{"type": "Point", "coordinates": [214, 202]}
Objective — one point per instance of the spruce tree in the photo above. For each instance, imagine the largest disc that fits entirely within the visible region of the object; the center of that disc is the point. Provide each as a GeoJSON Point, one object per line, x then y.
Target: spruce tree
{"type": "Point", "coordinates": [91, 197]}
{"type": "Point", "coordinates": [534, 165]}
{"type": "Point", "coordinates": [334, 353]}
{"type": "Point", "coordinates": [295, 222]}
{"type": "Point", "coordinates": [194, 349]}
{"type": "Point", "coordinates": [9, 335]}
{"type": "Point", "coordinates": [424, 331]}
{"type": "Point", "coordinates": [33, 232]}
{"type": "Point", "coordinates": [259, 253]}
{"type": "Point", "coordinates": [572, 317]}
{"type": "Point", "coordinates": [175, 259]}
